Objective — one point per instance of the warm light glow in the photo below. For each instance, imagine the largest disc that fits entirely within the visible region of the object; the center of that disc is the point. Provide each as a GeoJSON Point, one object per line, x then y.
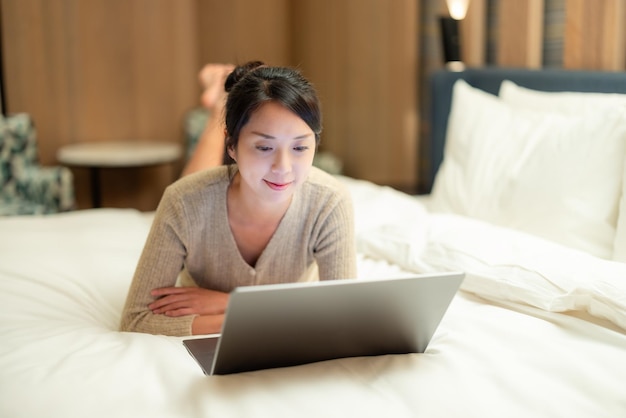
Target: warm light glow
{"type": "Point", "coordinates": [457, 8]}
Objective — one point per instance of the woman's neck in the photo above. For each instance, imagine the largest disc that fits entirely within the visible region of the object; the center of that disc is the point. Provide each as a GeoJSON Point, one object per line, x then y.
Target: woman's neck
{"type": "Point", "coordinates": [248, 208]}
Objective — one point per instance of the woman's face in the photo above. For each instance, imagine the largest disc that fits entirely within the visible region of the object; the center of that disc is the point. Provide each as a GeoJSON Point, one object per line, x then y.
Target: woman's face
{"type": "Point", "coordinates": [274, 153]}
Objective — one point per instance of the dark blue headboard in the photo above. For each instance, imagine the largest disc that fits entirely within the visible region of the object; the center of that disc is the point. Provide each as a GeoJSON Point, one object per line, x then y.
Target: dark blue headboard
{"type": "Point", "coordinates": [489, 79]}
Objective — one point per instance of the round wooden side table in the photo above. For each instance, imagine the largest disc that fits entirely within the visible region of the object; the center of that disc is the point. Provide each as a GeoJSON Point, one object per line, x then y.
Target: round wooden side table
{"type": "Point", "coordinates": [97, 155]}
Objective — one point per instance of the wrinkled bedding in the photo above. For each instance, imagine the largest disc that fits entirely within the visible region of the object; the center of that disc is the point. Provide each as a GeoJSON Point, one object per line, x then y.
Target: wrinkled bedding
{"type": "Point", "coordinates": [538, 329]}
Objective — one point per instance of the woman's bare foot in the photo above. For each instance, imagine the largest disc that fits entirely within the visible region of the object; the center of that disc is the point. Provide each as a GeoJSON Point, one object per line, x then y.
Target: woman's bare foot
{"type": "Point", "coordinates": [210, 149]}
{"type": "Point", "coordinates": [212, 78]}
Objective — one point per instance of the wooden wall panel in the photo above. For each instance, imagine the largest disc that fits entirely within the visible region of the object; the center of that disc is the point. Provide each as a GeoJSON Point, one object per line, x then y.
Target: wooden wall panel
{"type": "Point", "coordinates": [319, 50]}
{"type": "Point", "coordinates": [362, 57]}
{"type": "Point", "coordinates": [237, 31]}
{"type": "Point", "coordinates": [473, 31]}
{"type": "Point", "coordinates": [37, 69]}
{"type": "Point", "coordinates": [103, 70]}
{"type": "Point", "coordinates": [127, 69]}
{"type": "Point", "coordinates": [595, 34]}
{"type": "Point", "coordinates": [520, 30]}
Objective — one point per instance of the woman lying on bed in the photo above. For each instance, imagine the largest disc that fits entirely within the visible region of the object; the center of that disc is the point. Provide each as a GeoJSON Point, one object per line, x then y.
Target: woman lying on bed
{"type": "Point", "coordinates": [267, 217]}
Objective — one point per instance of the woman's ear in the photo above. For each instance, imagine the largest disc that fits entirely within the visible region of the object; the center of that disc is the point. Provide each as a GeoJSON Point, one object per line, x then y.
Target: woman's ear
{"type": "Point", "coordinates": [231, 153]}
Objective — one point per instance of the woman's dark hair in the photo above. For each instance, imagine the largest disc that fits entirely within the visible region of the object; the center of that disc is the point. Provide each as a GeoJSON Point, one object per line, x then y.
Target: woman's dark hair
{"type": "Point", "coordinates": [252, 84]}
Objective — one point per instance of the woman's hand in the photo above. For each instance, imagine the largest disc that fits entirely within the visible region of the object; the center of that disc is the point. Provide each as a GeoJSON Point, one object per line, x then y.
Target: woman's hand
{"type": "Point", "coordinates": [181, 301]}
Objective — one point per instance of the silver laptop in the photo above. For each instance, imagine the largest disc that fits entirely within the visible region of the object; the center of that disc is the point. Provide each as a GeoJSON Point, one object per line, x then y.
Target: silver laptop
{"type": "Point", "coordinates": [287, 325]}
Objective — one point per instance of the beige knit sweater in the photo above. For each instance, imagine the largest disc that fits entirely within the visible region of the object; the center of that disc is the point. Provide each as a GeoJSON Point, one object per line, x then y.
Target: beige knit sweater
{"type": "Point", "coordinates": [190, 231]}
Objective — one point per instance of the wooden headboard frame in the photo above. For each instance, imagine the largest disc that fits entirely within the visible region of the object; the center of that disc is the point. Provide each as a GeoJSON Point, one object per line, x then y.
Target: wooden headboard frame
{"type": "Point", "coordinates": [489, 79]}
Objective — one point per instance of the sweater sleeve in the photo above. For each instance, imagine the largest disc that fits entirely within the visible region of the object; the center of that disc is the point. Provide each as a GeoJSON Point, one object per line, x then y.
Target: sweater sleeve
{"type": "Point", "coordinates": [159, 266]}
{"type": "Point", "coordinates": [335, 246]}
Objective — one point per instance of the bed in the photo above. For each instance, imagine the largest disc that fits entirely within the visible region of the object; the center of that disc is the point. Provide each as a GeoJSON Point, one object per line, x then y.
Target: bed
{"type": "Point", "coordinates": [526, 200]}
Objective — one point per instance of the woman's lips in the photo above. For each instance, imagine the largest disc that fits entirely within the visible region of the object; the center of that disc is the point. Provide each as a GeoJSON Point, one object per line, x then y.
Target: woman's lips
{"type": "Point", "coordinates": [277, 186]}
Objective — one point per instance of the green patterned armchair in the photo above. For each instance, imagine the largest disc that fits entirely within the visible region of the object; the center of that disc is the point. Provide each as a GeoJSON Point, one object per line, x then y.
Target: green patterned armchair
{"type": "Point", "coordinates": [26, 188]}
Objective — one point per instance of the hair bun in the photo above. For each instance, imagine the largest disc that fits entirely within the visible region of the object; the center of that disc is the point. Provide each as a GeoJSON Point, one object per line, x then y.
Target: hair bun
{"type": "Point", "coordinates": [240, 72]}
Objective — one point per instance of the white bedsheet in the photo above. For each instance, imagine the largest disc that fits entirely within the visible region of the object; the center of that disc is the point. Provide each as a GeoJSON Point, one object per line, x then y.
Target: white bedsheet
{"type": "Point", "coordinates": [63, 281]}
{"type": "Point", "coordinates": [501, 263]}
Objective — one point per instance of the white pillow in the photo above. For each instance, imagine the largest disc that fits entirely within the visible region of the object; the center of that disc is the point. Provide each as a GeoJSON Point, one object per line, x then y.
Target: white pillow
{"type": "Point", "coordinates": [565, 102]}
{"type": "Point", "coordinates": [573, 103]}
{"type": "Point", "coordinates": [555, 176]}
{"type": "Point", "coordinates": [619, 245]}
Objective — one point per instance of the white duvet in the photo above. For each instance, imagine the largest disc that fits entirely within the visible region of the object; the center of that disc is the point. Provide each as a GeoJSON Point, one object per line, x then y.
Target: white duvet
{"type": "Point", "coordinates": [538, 329]}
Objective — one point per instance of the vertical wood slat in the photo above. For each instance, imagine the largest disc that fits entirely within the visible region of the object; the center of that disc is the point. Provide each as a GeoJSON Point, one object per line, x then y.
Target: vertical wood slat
{"type": "Point", "coordinates": [310, 50]}
{"type": "Point", "coordinates": [520, 33]}
{"type": "Point", "coordinates": [36, 64]}
{"type": "Point", "coordinates": [595, 35]}
{"type": "Point", "coordinates": [403, 121]}
{"type": "Point", "coordinates": [236, 31]}
{"type": "Point", "coordinates": [362, 56]}
{"type": "Point", "coordinates": [102, 70]}
{"type": "Point", "coordinates": [474, 34]}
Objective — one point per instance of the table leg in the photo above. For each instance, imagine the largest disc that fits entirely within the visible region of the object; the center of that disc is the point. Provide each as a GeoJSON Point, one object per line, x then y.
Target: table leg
{"type": "Point", "coordinates": [95, 187]}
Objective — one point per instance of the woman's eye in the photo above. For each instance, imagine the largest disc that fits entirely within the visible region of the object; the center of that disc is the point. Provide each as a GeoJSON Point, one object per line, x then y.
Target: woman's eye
{"type": "Point", "coordinates": [301, 148]}
{"type": "Point", "coordinates": [263, 148]}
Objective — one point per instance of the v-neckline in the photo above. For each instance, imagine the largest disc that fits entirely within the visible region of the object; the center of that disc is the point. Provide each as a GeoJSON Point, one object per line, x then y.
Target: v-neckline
{"type": "Point", "coordinates": [233, 242]}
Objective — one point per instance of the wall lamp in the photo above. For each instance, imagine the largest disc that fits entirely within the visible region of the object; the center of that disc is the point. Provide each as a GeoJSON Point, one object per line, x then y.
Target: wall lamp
{"type": "Point", "coordinates": [450, 33]}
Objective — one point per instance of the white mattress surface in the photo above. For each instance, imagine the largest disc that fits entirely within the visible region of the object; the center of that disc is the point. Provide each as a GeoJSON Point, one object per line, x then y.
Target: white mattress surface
{"type": "Point", "coordinates": [538, 329]}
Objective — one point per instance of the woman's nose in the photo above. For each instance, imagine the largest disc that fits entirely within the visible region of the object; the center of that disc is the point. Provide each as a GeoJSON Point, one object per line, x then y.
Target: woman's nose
{"type": "Point", "coordinates": [282, 162]}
